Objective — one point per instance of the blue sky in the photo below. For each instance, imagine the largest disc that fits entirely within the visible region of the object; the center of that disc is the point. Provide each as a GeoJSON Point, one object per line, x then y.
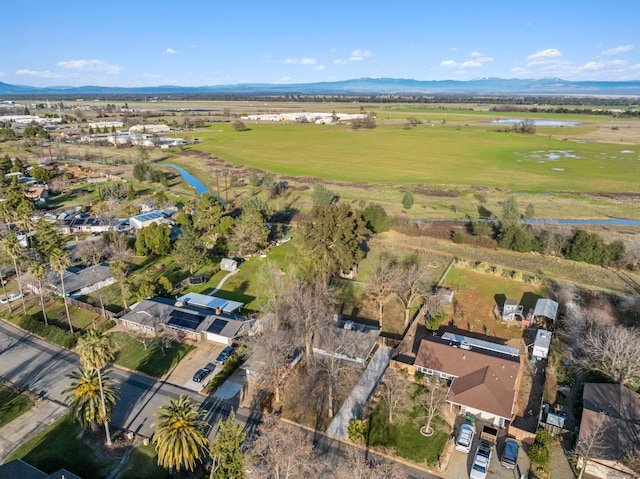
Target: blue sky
{"type": "Point", "coordinates": [193, 43]}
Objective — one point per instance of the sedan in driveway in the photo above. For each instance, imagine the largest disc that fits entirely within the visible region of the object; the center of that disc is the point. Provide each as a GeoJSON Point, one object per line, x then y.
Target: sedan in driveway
{"type": "Point", "coordinates": [201, 374]}
{"type": "Point", "coordinates": [224, 355]}
{"type": "Point", "coordinates": [465, 438]}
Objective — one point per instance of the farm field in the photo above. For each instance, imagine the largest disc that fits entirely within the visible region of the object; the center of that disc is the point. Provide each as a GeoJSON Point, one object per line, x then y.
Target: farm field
{"type": "Point", "coordinates": [450, 155]}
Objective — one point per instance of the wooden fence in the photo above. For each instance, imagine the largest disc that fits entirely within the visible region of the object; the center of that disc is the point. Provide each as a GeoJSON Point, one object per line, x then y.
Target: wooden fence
{"type": "Point", "coordinates": [98, 311]}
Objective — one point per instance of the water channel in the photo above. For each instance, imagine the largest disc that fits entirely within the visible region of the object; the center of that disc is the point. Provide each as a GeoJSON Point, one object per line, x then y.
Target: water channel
{"type": "Point", "coordinates": [201, 188]}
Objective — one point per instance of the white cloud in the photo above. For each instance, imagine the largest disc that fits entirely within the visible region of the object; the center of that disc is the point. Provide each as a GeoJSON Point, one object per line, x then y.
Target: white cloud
{"type": "Point", "coordinates": [448, 63]}
{"type": "Point", "coordinates": [619, 49]}
{"type": "Point", "coordinates": [41, 74]}
{"type": "Point", "coordinates": [594, 66]}
{"type": "Point", "coordinates": [285, 79]}
{"type": "Point", "coordinates": [318, 68]}
{"type": "Point", "coordinates": [545, 55]}
{"type": "Point", "coordinates": [471, 64]}
{"type": "Point", "coordinates": [636, 67]}
{"type": "Point", "coordinates": [91, 65]}
{"type": "Point", "coordinates": [301, 61]}
{"type": "Point", "coordinates": [476, 54]}
{"type": "Point", "coordinates": [2, 74]}
{"type": "Point", "coordinates": [151, 75]}
{"type": "Point", "coordinates": [356, 55]}
{"type": "Point", "coordinates": [484, 59]}
{"type": "Point", "coordinates": [170, 51]}
{"type": "Point", "coordinates": [454, 49]}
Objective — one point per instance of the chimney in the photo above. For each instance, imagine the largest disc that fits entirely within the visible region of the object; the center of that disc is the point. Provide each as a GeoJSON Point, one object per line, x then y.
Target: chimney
{"type": "Point", "coordinates": [218, 311]}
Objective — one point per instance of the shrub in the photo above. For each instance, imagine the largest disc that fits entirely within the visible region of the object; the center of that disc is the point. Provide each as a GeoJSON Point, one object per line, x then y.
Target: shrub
{"type": "Point", "coordinates": [376, 218]}
{"type": "Point", "coordinates": [233, 363]}
{"type": "Point", "coordinates": [457, 237]}
{"type": "Point", "coordinates": [540, 452]}
{"type": "Point", "coordinates": [51, 333]}
{"type": "Point", "coordinates": [407, 200]}
{"type": "Point", "coordinates": [356, 430]}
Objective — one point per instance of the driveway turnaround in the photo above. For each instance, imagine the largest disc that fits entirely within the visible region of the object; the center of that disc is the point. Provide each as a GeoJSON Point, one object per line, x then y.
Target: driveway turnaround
{"type": "Point", "coordinates": [353, 406]}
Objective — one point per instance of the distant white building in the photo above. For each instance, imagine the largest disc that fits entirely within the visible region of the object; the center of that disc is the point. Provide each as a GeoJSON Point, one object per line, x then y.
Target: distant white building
{"type": "Point", "coordinates": [107, 124]}
{"type": "Point", "coordinates": [149, 129]}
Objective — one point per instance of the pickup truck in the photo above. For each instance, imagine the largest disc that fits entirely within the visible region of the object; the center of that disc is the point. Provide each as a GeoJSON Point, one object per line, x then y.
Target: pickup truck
{"type": "Point", "coordinates": [482, 459]}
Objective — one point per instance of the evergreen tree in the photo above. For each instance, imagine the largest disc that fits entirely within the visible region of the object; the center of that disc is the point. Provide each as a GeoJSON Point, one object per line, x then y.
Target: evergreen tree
{"type": "Point", "coordinates": [407, 200]}
{"type": "Point", "coordinates": [227, 450]}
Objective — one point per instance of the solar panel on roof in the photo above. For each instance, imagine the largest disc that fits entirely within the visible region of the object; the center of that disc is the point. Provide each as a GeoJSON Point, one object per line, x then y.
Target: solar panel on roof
{"type": "Point", "coordinates": [217, 326]}
{"type": "Point", "coordinates": [478, 343]}
{"type": "Point", "coordinates": [182, 319]}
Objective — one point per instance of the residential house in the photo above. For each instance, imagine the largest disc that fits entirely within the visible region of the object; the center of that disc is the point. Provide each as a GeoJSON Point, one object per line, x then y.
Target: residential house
{"type": "Point", "coordinates": [77, 281]}
{"type": "Point", "coordinates": [142, 221]}
{"type": "Point", "coordinates": [73, 223]}
{"type": "Point", "coordinates": [18, 469]}
{"type": "Point", "coordinates": [612, 412]}
{"type": "Point", "coordinates": [544, 314]}
{"type": "Point", "coordinates": [347, 341]}
{"type": "Point", "coordinates": [483, 380]}
{"type": "Point", "coordinates": [154, 315]}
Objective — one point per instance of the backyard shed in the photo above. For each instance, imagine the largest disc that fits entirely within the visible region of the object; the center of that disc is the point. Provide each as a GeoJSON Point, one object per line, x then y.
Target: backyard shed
{"type": "Point", "coordinates": [228, 264]}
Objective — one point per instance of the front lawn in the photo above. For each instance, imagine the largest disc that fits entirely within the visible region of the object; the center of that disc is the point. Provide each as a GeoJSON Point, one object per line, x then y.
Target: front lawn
{"type": "Point", "coordinates": [12, 404]}
{"type": "Point", "coordinates": [58, 447]}
{"type": "Point", "coordinates": [143, 464]}
{"type": "Point", "coordinates": [150, 361]}
{"type": "Point", "coordinates": [403, 436]}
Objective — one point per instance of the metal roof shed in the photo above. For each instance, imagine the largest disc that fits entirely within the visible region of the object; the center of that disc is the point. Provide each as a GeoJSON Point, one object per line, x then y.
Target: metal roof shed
{"type": "Point", "coordinates": [547, 308]}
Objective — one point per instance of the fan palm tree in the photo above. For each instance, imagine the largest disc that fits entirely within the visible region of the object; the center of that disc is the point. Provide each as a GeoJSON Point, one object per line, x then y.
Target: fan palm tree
{"type": "Point", "coordinates": [60, 262]}
{"type": "Point", "coordinates": [38, 271]}
{"type": "Point", "coordinates": [85, 397]}
{"type": "Point", "coordinates": [14, 249]}
{"type": "Point", "coordinates": [96, 349]}
{"type": "Point", "coordinates": [180, 438]}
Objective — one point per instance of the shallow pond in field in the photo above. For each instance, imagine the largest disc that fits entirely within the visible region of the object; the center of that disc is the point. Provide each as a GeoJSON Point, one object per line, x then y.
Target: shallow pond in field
{"type": "Point", "coordinates": [515, 121]}
{"type": "Point", "coordinates": [542, 156]}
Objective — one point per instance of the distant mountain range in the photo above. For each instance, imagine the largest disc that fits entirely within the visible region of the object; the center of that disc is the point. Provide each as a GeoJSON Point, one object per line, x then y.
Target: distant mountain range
{"type": "Point", "coordinates": [361, 86]}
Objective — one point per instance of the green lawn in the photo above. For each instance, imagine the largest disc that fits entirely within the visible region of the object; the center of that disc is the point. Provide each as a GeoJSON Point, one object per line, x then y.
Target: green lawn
{"type": "Point", "coordinates": [403, 436]}
{"type": "Point", "coordinates": [151, 361]}
{"type": "Point", "coordinates": [12, 404]}
{"type": "Point", "coordinates": [143, 464]}
{"type": "Point", "coordinates": [58, 447]}
{"type": "Point", "coordinates": [449, 154]}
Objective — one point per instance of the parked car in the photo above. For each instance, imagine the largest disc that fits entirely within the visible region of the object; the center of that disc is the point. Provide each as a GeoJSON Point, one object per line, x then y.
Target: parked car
{"type": "Point", "coordinates": [465, 438]}
{"type": "Point", "coordinates": [482, 459]}
{"type": "Point", "coordinates": [201, 374]}
{"type": "Point", "coordinates": [11, 298]}
{"type": "Point", "coordinates": [224, 355]}
{"type": "Point", "coordinates": [510, 454]}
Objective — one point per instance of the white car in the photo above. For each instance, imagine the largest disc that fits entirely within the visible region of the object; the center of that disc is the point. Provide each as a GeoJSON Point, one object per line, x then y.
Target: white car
{"type": "Point", "coordinates": [11, 298]}
{"type": "Point", "coordinates": [465, 438]}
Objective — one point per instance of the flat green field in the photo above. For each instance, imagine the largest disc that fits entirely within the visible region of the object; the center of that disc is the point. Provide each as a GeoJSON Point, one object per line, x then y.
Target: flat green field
{"type": "Point", "coordinates": [438, 154]}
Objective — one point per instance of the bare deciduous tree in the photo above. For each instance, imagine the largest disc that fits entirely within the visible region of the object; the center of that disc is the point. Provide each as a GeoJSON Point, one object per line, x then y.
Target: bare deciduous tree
{"type": "Point", "coordinates": [330, 370]}
{"type": "Point", "coordinates": [592, 443]}
{"type": "Point", "coordinates": [431, 399]}
{"type": "Point", "coordinates": [613, 351]}
{"type": "Point", "coordinates": [310, 306]}
{"type": "Point", "coordinates": [358, 466]}
{"type": "Point", "coordinates": [284, 452]}
{"type": "Point", "coordinates": [395, 390]}
{"type": "Point", "coordinates": [411, 282]}
{"type": "Point", "coordinates": [277, 349]}
{"type": "Point", "coordinates": [379, 288]}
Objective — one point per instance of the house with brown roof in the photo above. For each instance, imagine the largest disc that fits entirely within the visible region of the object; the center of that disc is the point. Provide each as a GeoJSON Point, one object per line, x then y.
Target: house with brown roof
{"type": "Point", "coordinates": [611, 412]}
{"type": "Point", "coordinates": [483, 382]}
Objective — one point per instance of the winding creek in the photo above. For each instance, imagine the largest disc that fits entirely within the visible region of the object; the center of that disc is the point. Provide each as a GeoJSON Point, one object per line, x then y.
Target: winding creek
{"type": "Point", "coordinates": [201, 188]}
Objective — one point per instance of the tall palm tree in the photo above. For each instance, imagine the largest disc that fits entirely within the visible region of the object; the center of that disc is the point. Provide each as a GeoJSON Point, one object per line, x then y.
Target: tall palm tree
{"type": "Point", "coordinates": [60, 262]}
{"type": "Point", "coordinates": [96, 349]}
{"type": "Point", "coordinates": [14, 249]}
{"type": "Point", "coordinates": [4, 290]}
{"type": "Point", "coordinates": [180, 437]}
{"type": "Point", "coordinates": [38, 271]}
{"type": "Point", "coordinates": [85, 395]}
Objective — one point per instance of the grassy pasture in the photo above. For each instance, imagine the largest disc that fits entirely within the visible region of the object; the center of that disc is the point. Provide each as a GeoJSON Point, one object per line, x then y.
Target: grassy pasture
{"type": "Point", "coordinates": [473, 155]}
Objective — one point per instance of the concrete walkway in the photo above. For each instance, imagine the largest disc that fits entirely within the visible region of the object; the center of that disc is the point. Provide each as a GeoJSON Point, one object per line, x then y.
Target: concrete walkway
{"type": "Point", "coordinates": [559, 465]}
{"type": "Point", "coordinates": [24, 427]}
{"type": "Point", "coordinates": [221, 283]}
{"type": "Point", "coordinates": [353, 406]}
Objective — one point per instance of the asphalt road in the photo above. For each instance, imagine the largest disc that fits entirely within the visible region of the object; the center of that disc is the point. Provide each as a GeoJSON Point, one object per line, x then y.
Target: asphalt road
{"type": "Point", "coordinates": [43, 368]}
